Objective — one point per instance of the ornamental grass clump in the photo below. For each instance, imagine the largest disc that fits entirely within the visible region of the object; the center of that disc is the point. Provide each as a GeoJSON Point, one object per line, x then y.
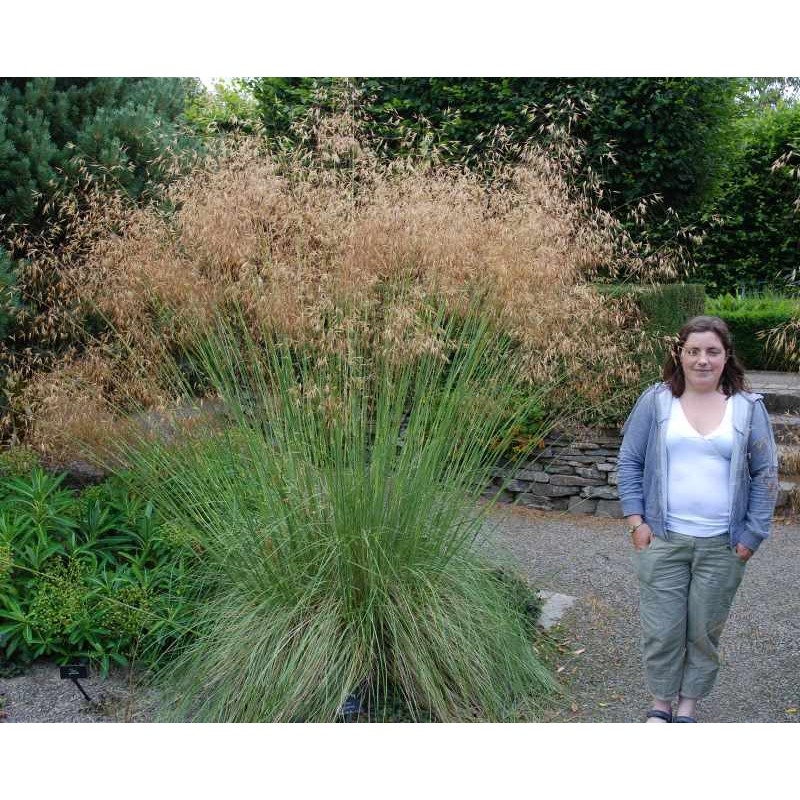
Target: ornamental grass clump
{"type": "Point", "coordinates": [339, 536]}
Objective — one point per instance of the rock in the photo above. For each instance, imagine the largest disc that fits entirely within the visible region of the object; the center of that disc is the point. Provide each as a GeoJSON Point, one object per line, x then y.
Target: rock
{"type": "Point", "coordinates": [612, 478]}
{"type": "Point", "coordinates": [578, 459]}
{"type": "Point", "coordinates": [554, 607]}
{"type": "Point", "coordinates": [575, 480]}
{"type": "Point", "coordinates": [545, 452]}
{"type": "Point", "coordinates": [588, 472]}
{"type": "Point", "coordinates": [582, 505]}
{"type": "Point", "coordinates": [568, 452]}
{"type": "Point", "coordinates": [551, 490]}
{"type": "Point", "coordinates": [608, 441]}
{"type": "Point", "coordinates": [500, 497]}
{"type": "Point", "coordinates": [81, 474]}
{"type": "Point", "coordinates": [534, 501]}
{"type": "Point", "coordinates": [532, 475]}
{"type": "Point", "coordinates": [560, 469]}
{"type": "Point", "coordinates": [609, 508]}
{"type": "Point", "coordinates": [605, 467]}
{"type": "Point", "coordinates": [603, 492]}
{"type": "Point", "coordinates": [786, 490]}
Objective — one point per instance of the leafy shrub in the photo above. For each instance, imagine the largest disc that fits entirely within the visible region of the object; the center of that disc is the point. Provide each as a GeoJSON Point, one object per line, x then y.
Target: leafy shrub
{"type": "Point", "coordinates": [85, 575]}
{"type": "Point", "coordinates": [668, 133]}
{"type": "Point", "coordinates": [753, 225]}
{"type": "Point", "coordinates": [750, 320]}
{"type": "Point", "coordinates": [15, 463]}
{"type": "Point", "coordinates": [228, 108]}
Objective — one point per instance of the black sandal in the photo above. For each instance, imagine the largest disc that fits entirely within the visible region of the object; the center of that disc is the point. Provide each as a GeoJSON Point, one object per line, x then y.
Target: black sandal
{"type": "Point", "coordinates": [665, 715]}
{"type": "Point", "coordinates": [684, 719]}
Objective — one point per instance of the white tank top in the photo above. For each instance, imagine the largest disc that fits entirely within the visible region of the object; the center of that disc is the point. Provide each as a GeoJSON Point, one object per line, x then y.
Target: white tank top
{"type": "Point", "coordinates": [698, 474]}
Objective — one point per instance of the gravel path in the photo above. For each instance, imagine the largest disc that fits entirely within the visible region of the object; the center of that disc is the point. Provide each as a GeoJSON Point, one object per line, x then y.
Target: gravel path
{"type": "Point", "coordinates": [588, 558]}
{"type": "Point", "coordinates": [40, 695]}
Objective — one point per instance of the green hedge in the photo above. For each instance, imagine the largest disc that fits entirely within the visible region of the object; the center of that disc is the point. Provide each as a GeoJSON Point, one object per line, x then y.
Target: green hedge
{"type": "Point", "coordinates": [750, 316]}
{"type": "Point", "coordinates": [665, 307]}
{"type": "Point", "coordinates": [753, 225]}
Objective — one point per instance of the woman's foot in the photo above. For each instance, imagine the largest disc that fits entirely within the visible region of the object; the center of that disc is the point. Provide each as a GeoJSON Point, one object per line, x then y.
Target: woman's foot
{"type": "Point", "coordinates": [687, 707]}
{"type": "Point", "coordinates": [663, 706]}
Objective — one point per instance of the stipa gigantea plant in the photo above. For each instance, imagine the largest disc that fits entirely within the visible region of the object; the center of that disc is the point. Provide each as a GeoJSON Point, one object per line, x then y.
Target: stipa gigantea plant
{"type": "Point", "coordinates": [783, 341]}
{"type": "Point", "coordinates": [292, 238]}
{"type": "Point", "coordinates": [339, 532]}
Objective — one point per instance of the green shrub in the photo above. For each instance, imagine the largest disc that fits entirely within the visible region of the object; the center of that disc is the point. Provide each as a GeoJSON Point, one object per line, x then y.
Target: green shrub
{"type": "Point", "coordinates": [669, 134]}
{"type": "Point", "coordinates": [665, 306]}
{"type": "Point", "coordinates": [51, 127]}
{"type": "Point", "coordinates": [665, 309]}
{"type": "Point", "coordinates": [85, 575]}
{"type": "Point", "coordinates": [16, 462]}
{"type": "Point", "coordinates": [228, 108]}
{"type": "Point", "coordinates": [753, 225]}
{"type": "Point", "coordinates": [749, 320]}
{"type": "Point", "coordinates": [668, 307]}
{"type": "Point", "coordinates": [9, 296]}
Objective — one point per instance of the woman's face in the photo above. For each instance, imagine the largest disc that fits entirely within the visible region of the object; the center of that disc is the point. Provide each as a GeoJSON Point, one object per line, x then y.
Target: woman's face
{"type": "Point", "coordinates": [703, 359]}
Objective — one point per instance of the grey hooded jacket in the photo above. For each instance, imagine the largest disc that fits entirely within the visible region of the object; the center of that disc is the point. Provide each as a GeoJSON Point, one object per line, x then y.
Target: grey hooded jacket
{"type": "Point", "coordinates": [642, 465]}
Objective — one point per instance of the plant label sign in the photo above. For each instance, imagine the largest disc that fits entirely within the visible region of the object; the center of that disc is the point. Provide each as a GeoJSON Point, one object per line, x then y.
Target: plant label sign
{"type": "Point", "coordinates": [73, 671]}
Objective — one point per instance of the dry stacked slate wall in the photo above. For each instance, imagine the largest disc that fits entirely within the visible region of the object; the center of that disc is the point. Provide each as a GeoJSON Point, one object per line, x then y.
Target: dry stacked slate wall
{"type": "Point", "coordinates": [575, 471]}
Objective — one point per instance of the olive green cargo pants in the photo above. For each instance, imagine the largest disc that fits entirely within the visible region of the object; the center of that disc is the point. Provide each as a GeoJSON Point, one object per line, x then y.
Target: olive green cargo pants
{"type": "Point", "coordinates": [687, 585]}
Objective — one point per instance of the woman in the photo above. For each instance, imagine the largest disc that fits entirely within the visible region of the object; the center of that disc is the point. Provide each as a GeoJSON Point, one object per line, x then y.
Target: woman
{"type": "Point", "coordinates": [698, 483]}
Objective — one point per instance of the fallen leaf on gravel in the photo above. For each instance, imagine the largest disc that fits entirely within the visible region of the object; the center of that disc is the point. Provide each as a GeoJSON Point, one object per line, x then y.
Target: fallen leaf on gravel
{"type": "Point", "coordinates": [791, 710]}
{"type": "Point", "coordinates": [574, 708]}
{"type": "Point", "coordinates": [578, 652]}
{"type": "Point", "coordinates": [560, 669]}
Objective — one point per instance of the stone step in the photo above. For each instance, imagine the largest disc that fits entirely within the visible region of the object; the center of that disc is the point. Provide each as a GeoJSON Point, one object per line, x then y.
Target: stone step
{"type": "Point", "coordinates": [789, 460]}
{"type": "Point", "coordinates": [781, 390]}
{"type": "Point", "coordinates": [786, 428]}
{"type": "Point", "coordinates": [788, 496]}
{"type": "Point", "coordinates": [782, 402]}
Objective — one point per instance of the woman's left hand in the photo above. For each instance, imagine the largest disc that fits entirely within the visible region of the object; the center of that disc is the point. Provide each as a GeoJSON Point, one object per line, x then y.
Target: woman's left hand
{"type": "Point", "coordinates": [745, 553]}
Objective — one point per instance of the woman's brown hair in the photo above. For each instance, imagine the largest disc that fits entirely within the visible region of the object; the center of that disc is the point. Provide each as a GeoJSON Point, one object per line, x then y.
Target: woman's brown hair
{"type": "Point", "coordinates": [732, 380]}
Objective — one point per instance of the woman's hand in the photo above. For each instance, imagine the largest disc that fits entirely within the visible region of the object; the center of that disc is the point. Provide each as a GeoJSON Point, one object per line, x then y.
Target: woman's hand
{"type": "Point", "coordinates": [642, 537]}
{"type": "Point", "coordinates": [745, 553]}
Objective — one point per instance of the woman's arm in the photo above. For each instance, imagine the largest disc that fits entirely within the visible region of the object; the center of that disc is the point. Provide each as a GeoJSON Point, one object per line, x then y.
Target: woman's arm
{"type": "Point", "coordinates": [762, 457]}
{"type": "Point", "coordinates": [630, 467]}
